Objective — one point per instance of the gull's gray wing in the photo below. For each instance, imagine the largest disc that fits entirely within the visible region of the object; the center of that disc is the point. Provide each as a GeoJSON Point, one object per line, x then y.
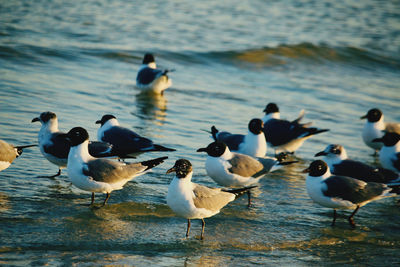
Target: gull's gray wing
{"type": "Point", "coordinates": [245, 166]}
{"type": "Point", "coordinates": [353, 190]}
{"type": "Point", "coordinates": [210, 198]}
{"type": "Point", "coordinates": [103, 170]}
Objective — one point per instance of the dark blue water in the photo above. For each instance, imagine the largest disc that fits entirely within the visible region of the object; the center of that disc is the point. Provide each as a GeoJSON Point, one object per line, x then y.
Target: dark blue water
{"type": "Point", "coordinates": [79, 59]}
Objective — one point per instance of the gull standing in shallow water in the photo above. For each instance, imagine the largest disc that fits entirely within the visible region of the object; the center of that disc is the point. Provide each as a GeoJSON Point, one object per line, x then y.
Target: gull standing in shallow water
{"type": "Point", "coordinates": [100, 175]}
{"type": "Point", "coordinates": [252, 144]}
{"type": "Point", "coordinates": [283, 135]}
{"type": "Point", "coordinates": [375, 127]}
{"type": "Point", "coordinates": [125, 141]}
{"type": "Point", "coordinates": [339, 164]}
{"type": "Point", "coordinates": [193, 201]}
{"type": "Point", "coordinates": [341, 192]}
{"type": "Point", "coordinates": [8, 153]}
{"type": "Point", "coordinates": [237, 170]}
{"type": "Point", "coordinates": [151, 79]}
{"type": "Point", "coordinates": [54, 145]}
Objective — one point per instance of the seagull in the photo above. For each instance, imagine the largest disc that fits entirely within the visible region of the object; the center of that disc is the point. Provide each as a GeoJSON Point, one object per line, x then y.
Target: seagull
{"type": "Point", "coordinates": [54, 145]}
{"type": "Point", "coordinates": [8, 153]}
{"type": "Point", "coordinates": [124, 140]}
{"type": "Point", "coordinates": [232, 169]}
{"type": "Point", "coordinates": [252, 144]}
{"type": "Point", "coordinates": [389, 155]}
{"type": "Point", "coordinates": [339, 164]}
{"type": "Point", "coordinates": [341, 192]}
{"type": "Point", "coordinates": [100, 175]}
{"type": "Point", "coordinates": [151, 79]}
{"type": "Point", "coordinates": [374, 128]}
{"type": "Point", "coordinates": [194, 201]}
{"type": "Point", "coordinates": [283, 135]}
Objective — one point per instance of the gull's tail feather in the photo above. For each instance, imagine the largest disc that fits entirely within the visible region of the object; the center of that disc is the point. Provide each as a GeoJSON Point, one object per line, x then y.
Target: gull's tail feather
{"type": "Point", "coordinates": [240, 191]}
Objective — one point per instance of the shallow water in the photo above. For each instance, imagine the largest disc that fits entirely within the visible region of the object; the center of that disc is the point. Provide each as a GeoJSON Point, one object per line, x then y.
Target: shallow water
{"type": "Point", "coordinates": [336, 60]}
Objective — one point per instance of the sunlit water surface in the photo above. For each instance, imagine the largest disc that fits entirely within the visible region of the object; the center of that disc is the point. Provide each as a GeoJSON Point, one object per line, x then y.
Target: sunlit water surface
{"type": "Point", "coordinates": [79, 59]}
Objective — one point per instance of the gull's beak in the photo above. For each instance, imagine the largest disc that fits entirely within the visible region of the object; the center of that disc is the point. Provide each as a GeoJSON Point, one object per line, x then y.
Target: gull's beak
{"type": "Point", "coordinates": [377, 140]}
{"type": "Point", "coordinates": [171, 170]}
{"type": "Point", "coordinates": [98, 122]}
{"type": "Point", "coordinates": [35, 119]}
{"type": "Point", "coordinates": [363, 117]}
{"type": "Point", "coordinates": [306, 170]}
{"type": "Point", "coordinates": [203, 149]}
{"type": "Point", "coordinates": [322, 153]}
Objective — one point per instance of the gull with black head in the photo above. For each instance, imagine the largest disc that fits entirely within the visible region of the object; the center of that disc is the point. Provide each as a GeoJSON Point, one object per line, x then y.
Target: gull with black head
{"type": "Point", "coordinates": [341, 192]}
{"type": "Point", "coordinates": [100, 175]}
{"type": "Point", "coordinates": [125, 141]}
{"type": "Point", "coordinates": [252, 144]}
{"type": "Point", "coordinates": [232, 169]}
{"type": "Point", "coordinates": [389, 155]}
{"type": "Point", "coordinates": [375, 127]}
{"type": "Point", "coordinates": [8, 153]}
{"type": "Point", "coordinates": [54, 145]}
{"type": "Point", "coordinates": [150, 78]}
{"type": "Point", "coordinates": [284, 135]}
{"type": "Point", "coordinates": [194, 201]}
{"type": "Point", "coordinates": [339, 164]}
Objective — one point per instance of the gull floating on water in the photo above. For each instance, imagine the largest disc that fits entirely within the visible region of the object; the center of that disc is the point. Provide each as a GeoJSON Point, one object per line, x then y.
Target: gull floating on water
{"type": "Point", "coordinates": [151, 79]}
{"type": "Point", "coordinates": [194, 201]}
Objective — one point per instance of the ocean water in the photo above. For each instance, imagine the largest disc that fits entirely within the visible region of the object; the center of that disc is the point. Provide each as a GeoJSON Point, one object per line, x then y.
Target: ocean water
{"type": "Point", "coordinates": [334, 59]}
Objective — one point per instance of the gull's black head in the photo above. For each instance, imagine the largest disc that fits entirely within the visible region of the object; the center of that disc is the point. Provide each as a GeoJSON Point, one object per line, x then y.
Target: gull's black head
{"type": "Point", "coordinates": [256, 126]}
{"type": "Point", "coordinates": [45, 117]}
{"type": "Point", "coordinates": [77, 136]}
{"type": "Point", "coordinates": [215, 149]}
{"type": "Point", "coordinates": [148, 58]}
{"type": "Point", "coordinates": [271, 108]}
{"type": "Point", "coordinates": [317, 168]}
{"type": "Point", "coordinates": [333, 149]}
{"type": "Point", "coordinates": [105, 118]}
{"type": "Point", "coordinates": [373, 115]}
{"type": "Point", "coordinates": [182, 168]}
{"type": "Point", "coordinates": [388, 139]}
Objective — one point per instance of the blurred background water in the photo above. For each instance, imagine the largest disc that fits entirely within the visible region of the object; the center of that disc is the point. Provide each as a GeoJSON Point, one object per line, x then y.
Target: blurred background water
{"type": "Point", "coordinates": [335, 59]}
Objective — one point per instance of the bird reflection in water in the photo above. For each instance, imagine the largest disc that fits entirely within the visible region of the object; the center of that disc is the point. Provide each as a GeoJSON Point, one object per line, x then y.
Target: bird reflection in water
{"type": "Point", "coordinates": [151, 107]}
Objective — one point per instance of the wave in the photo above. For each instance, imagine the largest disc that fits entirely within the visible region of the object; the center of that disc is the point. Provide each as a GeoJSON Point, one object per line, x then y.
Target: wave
{"type": "Point", "coordinates": [29, 54]}
{"type": "Point", "coordinates": [283, 54]}
{"type": "Point", "coordinates": [306, 53]}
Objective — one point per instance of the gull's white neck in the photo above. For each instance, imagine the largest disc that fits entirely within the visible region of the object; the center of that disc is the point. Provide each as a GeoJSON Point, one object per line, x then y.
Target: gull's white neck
{"type": "Point", "coordinates": [254, 145]}
{"type": "Point", "coordinates": [227, 154]}
{"type": "Point", "coordinates": [321, 178]}
{"type": "Point", "coordinates": [51, 126]}
{"type": "Point", "coordinates": [151, 65]}
{"type": "Point", "coordinates": [274, 115]}
{"type": "Point", "coordinates": [379, 125]}
{"type": "Point", "coordinates": [46, 130]}
{"type": "Point", "coordinates": [79, 153]}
